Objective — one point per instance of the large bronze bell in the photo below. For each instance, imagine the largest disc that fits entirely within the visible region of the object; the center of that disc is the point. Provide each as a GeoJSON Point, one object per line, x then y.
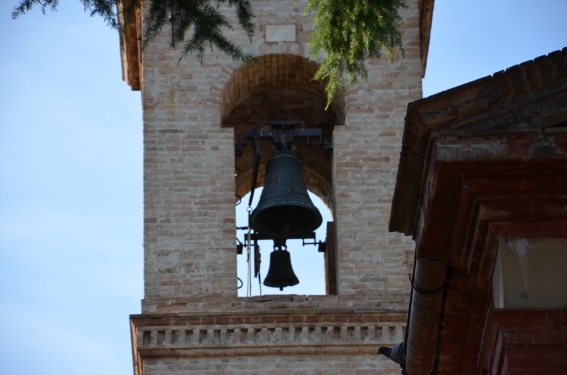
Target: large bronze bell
{"type": "Point", "coordinates": [285, 209]}
{"type": "Point", "coordinates": [280, 273]}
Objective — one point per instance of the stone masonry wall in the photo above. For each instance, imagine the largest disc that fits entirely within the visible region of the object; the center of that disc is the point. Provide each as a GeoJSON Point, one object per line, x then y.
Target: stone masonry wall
{"type": "Point", "coordinates": [189, 182]}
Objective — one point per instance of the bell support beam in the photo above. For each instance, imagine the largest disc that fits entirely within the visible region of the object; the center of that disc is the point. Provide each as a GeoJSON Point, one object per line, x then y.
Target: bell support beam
{"type": "Point", "coordinates": [284, 130]}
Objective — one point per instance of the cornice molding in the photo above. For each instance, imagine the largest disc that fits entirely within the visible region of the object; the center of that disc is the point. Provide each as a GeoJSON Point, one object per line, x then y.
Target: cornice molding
{"type": "Point", "coordinates": [262, 334]}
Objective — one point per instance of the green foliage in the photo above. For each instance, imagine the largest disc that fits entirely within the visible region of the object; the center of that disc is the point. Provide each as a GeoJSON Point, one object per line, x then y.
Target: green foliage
{"type": "Point", "coordinates": [202, 19]}
{"type": "Point", "coordinates": [104, 8]}
{"type": "Point", "coordinates": [345, 31]}
{"type": "Point", "coordinates": [207, 22]}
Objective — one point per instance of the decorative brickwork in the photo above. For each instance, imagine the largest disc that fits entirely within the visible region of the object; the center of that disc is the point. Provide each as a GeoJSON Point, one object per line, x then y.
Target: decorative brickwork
{"type": "Point", "coordinates": [295, 333]}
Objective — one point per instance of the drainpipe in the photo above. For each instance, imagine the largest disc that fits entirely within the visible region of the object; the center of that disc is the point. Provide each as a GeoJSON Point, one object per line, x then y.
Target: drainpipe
{"type": "Point", "coordinates": [424, 315]}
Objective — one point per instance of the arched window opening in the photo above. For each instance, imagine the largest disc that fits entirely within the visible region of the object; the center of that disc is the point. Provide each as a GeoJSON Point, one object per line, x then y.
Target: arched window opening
{"type": "Point", "coordinates": [281, 89]}
{"type": "Point", "coordinates": [309, 265]}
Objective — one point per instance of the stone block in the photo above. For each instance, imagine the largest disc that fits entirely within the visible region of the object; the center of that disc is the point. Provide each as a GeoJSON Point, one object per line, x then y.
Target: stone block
{"type": "Point", "coordinates": [280, 33]}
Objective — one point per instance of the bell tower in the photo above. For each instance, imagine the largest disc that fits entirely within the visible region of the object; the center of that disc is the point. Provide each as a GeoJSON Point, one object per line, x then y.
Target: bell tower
{"type": "Point", "coordinates": [192, 320]}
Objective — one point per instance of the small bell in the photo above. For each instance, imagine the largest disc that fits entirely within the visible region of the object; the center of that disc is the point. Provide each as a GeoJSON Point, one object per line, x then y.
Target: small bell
{"type": "Point", "coordinates": [280, 273]}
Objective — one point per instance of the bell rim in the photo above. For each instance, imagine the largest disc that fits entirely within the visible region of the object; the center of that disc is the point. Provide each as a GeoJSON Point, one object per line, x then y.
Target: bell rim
{"type": "Point", "coordinates": [316, 222]}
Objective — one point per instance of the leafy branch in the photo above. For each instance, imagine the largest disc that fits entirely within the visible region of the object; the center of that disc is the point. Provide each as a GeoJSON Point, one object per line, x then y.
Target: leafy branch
{"type": "Point", "coordinates": [203, 18]}
{"type": "Point", "coordinates": [345, 31]}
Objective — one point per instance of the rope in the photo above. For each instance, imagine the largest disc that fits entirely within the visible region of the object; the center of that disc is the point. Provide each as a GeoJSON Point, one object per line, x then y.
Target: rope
{"type": "Point", "coordinates": [249, 291]}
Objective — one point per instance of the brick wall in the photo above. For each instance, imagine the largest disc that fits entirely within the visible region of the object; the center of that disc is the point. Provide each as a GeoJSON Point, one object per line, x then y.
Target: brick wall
{"type": "Point", "coordinates": [371, 260]}
{"type": "Point", "coordinates": [189, 160]}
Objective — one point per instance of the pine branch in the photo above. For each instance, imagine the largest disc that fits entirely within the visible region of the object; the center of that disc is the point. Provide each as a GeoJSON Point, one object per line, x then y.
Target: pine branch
{"type": "Point", "coordinates": [104, 8]}
{"type": "Point", "coordinates": [245, 15]}
{"type": "Point", "coordinates": [26, 5]}
{"type": "Point", "coordinates": [347, 31]}
{"type": "Point", "coordinates": [201, 18]}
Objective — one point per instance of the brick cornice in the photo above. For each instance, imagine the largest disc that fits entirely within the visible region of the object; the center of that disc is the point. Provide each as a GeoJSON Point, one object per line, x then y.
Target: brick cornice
{"type": "Point", "coordinates": [478, 189]}
{"type": "Point", "coordinates": [525, 340]}
{"type": "Point", "coordinates": [466, 176]}
{"type": "Point", "coordinates": [256, 334]}
{"type": "Point", "coordinates": [525, 99]}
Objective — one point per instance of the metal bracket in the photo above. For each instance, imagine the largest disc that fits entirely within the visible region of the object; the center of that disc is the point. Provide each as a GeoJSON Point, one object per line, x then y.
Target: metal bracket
{"type": "Point", "coordinates": [322, 246]}
{"type": "Point", "coordinates": [282, 134]}
{"type": "Point", "coordinates": [255, 237]}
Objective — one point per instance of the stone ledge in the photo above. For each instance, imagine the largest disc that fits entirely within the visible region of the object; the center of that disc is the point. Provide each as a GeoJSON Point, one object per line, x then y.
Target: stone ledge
{"type": "Point", "coordinates": [260, 351]}
{"type": "Point", "coordinates": [155, 336]}
{"type": "Point", "coordinates": [322, 304]}
{"type": "Point", "coordinates": [318, 333]}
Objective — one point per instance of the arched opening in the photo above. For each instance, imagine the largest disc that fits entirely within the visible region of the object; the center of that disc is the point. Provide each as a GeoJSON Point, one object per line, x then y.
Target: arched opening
{"type": "Point", "coordinates": [308, 263]}
{"type": "Point", "coordinates": [281, 88]}
{"type": "Point", "coordinates": [272, 72]}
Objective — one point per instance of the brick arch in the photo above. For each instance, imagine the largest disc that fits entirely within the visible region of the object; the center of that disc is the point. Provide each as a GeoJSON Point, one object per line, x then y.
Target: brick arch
{"type": "Point", "coordinates": [281, 87]}
{"type": "Point", "coordinates": [272, 72]}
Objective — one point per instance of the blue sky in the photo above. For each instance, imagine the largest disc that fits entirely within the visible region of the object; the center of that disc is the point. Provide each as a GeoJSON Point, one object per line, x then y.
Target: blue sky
{"type": "Point", "coordinates": [71, 170]}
